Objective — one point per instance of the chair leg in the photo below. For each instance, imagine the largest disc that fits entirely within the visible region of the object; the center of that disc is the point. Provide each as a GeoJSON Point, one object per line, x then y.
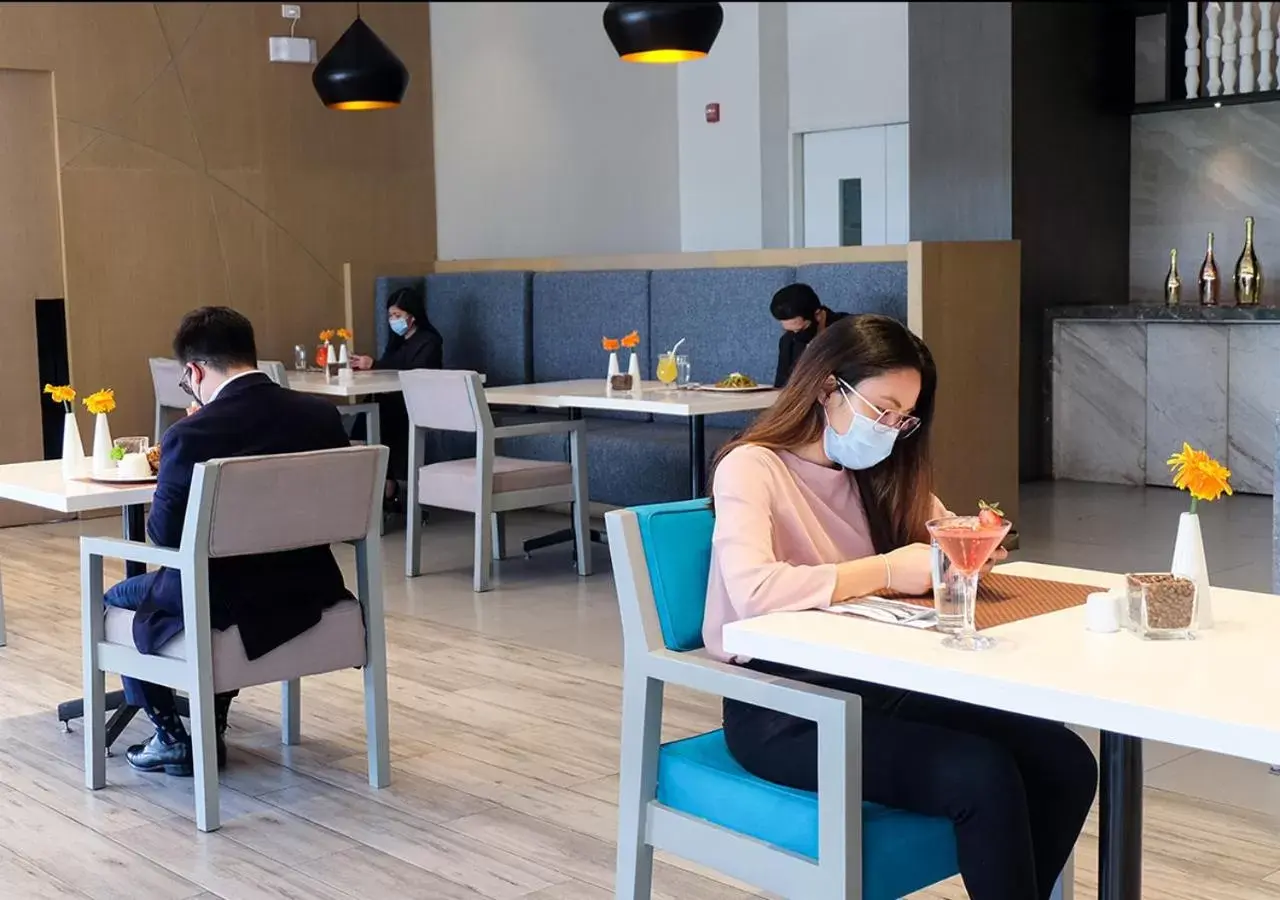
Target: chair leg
{"type": "Point", "coordinates": [499, 535]}
{"type": "Point", "coordinates": [95, 721]}
{"type": "Point", "coordinates": [412, 538]}
{"type": "Point", "coordinates": [377, 738]}
{"type": "Point", "coordinates": [4, 635]}
{"type": "Point", "coordinates": [1065, 888]}
{"type": "Point", "coordinates": [637, 785]}
{"type": "Point", "coordinates": [204, 752]}
{"type": "Point", "coordinates": [291, 711]}
{"type": "Point", "coordinates": [483, 557]}
{"type": "Point", "coordinates": [581, 511]}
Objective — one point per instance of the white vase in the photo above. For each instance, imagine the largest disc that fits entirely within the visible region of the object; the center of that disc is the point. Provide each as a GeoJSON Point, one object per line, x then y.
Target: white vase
{"type": "Point", "coordinates": [633, 369]}
{"type": "Point", "coordinates": [102, 461]}
{"type": "Point", "coordinates": [344, 358]}
{"type": "Point", "coordinates": [1188, 561]}
{"type": "Point", "coordinates": [72, 447]}
{"type": "Point", "coordinates": [613, 367]}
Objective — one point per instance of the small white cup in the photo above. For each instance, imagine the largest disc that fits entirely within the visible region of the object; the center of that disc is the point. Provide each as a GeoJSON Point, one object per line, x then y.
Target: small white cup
{"type": "Point", "coordinates": [1102, 612]}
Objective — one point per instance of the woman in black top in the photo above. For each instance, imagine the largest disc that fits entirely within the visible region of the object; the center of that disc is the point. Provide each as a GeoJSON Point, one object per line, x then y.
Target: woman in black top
{"type": "Point", "coordinates": [415, 344]}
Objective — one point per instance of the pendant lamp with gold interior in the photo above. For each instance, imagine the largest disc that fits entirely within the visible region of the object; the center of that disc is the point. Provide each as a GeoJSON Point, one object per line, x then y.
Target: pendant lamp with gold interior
{"type": "Point", "coordinates": [360, 72]}
{"type": "Point", "coordinates": [662, 32]}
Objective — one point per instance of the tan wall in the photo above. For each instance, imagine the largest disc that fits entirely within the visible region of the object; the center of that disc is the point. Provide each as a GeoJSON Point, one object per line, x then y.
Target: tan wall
{"type": "Point", "coordinates": [193, 171]}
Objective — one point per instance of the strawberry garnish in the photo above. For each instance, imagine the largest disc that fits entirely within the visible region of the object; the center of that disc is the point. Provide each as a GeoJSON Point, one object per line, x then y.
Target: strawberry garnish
{"type": "Point", "coordinates": [990, 515]}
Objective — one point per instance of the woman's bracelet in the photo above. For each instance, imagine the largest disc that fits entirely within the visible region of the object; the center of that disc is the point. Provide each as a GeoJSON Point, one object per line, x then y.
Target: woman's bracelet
{"type": "Point", "coordinates": [888, 573]}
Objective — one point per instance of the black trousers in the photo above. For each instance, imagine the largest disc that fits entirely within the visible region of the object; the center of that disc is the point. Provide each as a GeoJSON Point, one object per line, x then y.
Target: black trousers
{"type": "Point", "coordinates": [1017, 789]}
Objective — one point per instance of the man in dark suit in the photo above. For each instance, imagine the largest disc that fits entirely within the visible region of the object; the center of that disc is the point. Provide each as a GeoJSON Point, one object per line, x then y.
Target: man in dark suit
{"type": "Point", "coordinates": [803, 317]}
{"type": "Point", "coordinates": [272, 597]}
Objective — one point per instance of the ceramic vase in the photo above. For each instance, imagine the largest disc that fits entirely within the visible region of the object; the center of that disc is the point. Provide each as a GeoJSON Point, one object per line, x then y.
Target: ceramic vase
{"type": "Point", "coordinates": [102, 461]}
{"type": "Point", "coordinates": [633, 369]}
{"type": "Point", "coordinates": [72, 447]}
{"type": "Point", "coordinates": [344, 364]}
{"type": "Point", "coordinates": [1189, 562]}
{"type": "Point", "coordinates": [613, 367]}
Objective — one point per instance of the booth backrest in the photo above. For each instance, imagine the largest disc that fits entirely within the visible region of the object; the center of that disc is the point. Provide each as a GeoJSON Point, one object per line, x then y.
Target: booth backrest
{"type": "Point", "coordinates": [859, 287]}
{"type": "Point", "coordinates": [723, 315]}
{"type": "Point", "coordinates": [485, 318]}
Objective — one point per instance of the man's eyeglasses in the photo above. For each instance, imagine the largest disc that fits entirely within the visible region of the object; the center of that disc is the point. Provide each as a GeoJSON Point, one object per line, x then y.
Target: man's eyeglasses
{"type": "Point", "coordinates": [887, 419]}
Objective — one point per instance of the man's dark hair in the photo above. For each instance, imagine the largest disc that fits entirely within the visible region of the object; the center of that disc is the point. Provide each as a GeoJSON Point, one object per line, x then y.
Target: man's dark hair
{"type": "Point", "coordinates": [795, 301]}
{"type": "Point", "coordinates": [217, 336]}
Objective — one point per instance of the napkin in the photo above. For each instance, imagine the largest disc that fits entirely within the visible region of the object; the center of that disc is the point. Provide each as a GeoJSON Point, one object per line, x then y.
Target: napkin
{"type": "Point", "coordinates": [893, 612]}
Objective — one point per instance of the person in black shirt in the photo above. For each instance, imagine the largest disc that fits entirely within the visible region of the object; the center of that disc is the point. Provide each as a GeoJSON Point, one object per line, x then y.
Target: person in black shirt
{"type": "Point", "coordinates": [415, 344]}
{"type": "Point", "coordinates": [803, 318]}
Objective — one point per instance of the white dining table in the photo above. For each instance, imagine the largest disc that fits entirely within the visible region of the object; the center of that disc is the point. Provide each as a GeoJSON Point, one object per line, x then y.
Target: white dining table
{"type": "Point", "coordinates": [1214, 693]}
{"type": "Point", "coordinates": [652, 397]}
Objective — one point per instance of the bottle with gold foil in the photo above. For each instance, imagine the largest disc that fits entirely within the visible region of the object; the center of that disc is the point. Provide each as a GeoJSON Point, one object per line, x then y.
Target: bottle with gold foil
{"type": "Point", "coordinates": [1209, 277]}
{"type": "Point", "coordinates": [1248, 275]}
{"type": "Point", "coordinates": [1173, 281]}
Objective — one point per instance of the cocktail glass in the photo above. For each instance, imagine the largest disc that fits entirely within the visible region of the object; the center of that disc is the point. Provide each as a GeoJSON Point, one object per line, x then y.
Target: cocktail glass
{"type": "Point", "coordinates": [667, 368]}
{"type": "Point", "coordinates": [968, 544]}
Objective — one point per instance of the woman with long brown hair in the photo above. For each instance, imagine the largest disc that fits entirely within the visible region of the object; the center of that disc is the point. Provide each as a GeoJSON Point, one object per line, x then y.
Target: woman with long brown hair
{"type": "Point", "coordinates": [825, 498]}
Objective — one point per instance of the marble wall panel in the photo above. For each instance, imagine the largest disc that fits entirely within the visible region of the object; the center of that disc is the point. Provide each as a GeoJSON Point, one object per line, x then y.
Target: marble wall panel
{"type": "Point", "coordinates": [1253, 391]}
{"type": "Point", "coordinates": [1186, 393]}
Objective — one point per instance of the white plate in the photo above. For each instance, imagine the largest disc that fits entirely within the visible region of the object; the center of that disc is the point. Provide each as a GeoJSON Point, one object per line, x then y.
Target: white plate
{"type": "Point", "coordinates": [735, 390]}
{"type": "Point", "coordinates": [118, 478]}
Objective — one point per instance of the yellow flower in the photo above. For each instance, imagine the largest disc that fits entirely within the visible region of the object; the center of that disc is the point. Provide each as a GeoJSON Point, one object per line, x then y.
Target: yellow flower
{"type": "Point", "coordinates": [103, 401]}
{"type": "Point", "coordinates": [632, 340]}
{"type": "Point", "coordinates": [343, 334]}
{"type": "Point", "coordinates": [1197, 473]}
{"type": "Point", "coordinates": [60, 393]}
{"type": "Point", "coordinates": [326, 335]}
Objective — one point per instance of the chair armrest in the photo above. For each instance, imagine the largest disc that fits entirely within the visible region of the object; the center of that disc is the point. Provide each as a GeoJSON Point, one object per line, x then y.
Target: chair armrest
{"type": "Point", "coordinates": [130, 551]}
{"type": "Point", "coordinates": [551, 426]}
{"type": "Point", "coordinates": [701, 673]}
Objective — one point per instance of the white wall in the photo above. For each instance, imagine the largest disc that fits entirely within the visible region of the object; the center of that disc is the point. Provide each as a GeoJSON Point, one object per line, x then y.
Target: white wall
{"type": "Point", "coordinates": [847, 64]}
{"type": "Point", "coordinates": [545, 143]}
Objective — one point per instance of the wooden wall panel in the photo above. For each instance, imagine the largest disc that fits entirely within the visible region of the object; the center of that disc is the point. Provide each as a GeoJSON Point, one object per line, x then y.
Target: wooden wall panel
{"type": "Point", "coordinates": [193, 171]}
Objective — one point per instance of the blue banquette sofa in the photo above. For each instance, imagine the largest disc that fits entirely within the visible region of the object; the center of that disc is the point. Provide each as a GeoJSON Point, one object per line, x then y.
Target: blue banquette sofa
{"type": "Point", "coordinates": [519, 327]}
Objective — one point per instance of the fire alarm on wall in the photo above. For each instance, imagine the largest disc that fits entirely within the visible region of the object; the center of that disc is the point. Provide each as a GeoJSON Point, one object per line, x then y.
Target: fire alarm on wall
{"type": "Point", "coordinates": [713, 112]}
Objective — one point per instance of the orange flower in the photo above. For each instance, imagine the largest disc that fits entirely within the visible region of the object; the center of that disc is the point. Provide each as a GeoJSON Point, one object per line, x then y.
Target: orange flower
{"type": "Point", "coordinates": [343, 334]}
{"type": "Point", "coordinates": [1200, 475]}
{"type": "Point", "coordinates": [609, 344]}
{"type": "Point", "coordinates": [100, 402]}
{"type": "Point", "coordinates": [327, 335]}
{"type": "Point", "coordinates": [632, 340]}
{"type": "Point", "coordinates": [61, 393]}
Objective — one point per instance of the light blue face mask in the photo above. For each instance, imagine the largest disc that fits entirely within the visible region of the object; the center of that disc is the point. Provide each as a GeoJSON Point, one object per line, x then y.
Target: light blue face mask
{"type": "Point", "coordinates": [866, 444]}
{"type": "Point", "coordinates": [399, 326]}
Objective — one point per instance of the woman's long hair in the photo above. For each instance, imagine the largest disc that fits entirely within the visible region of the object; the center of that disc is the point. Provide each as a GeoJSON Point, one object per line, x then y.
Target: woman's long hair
{"type": "Point", "coordinates": [897, 493]}
{"type": "Point", "coordinates": [410, 300]}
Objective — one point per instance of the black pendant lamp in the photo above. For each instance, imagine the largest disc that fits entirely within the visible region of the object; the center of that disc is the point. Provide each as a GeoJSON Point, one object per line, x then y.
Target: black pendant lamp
{"type": "Point", "coordinates": [360, 72]}
{"type": "Point", "coordinates": [662, 32]}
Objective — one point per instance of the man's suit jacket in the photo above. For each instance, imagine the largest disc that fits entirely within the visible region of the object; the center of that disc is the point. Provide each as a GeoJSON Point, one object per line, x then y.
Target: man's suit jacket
{"type": "Point", "coordinates": [273, 597]}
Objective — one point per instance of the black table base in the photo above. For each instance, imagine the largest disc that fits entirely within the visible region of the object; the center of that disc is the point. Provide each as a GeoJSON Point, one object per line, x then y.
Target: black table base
{"type": "Point", "coordinates": [1120, 835]}
{"type": "Point", "coordinates": [135, 529]}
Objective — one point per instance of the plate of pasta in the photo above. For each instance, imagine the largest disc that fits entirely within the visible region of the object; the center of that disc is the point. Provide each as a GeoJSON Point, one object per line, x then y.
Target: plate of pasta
{"type": "Point", "coordinates": [736, 383]}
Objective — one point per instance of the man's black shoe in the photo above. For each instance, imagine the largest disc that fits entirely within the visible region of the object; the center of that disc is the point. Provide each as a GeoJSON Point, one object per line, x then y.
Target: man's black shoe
{"type": "Point", "coordinates": [162, 754]}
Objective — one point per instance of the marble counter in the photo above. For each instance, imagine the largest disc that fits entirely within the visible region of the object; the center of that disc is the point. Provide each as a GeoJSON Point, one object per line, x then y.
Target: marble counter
{"type": "Point", "coordinates": [1129, 384]}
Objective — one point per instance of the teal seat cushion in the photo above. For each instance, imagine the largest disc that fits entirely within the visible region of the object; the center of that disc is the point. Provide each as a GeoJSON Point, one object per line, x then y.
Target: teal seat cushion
{"type": "Point", "coordinates": [901, 852]}
{"type": "Point", "coordinates": [677, 550]}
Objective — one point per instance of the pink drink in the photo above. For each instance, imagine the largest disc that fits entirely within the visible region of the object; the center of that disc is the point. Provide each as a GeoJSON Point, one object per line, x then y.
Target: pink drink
{"type": "Point", "coordinates": [967, 543]}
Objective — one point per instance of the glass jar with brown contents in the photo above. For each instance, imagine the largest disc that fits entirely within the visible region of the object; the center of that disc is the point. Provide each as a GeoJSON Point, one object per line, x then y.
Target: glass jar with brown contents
{"type": "Point", "coordinates": [1161, 606]}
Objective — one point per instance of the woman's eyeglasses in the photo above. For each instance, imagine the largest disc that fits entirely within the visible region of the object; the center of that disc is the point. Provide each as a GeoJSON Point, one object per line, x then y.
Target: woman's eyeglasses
{"type": "Point", "coordinates": [888, 419]}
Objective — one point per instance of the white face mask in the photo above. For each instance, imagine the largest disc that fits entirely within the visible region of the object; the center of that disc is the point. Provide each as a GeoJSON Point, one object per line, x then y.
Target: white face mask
{"type": "Point", "coordinates": [866, 444]}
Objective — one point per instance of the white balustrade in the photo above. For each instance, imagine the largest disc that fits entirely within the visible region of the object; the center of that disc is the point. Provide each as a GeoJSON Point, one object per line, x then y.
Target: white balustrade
{"type": "Point", "coordinates": [1213, 46]}
{"type": "Point", "coordinates": [1248, 73]}
{"type": "Point", "coordinates": [1266, 48]}
{"type": "Point", "coordinates": [1230, 47]}
{"type": "Point", "coordinates": [1192, 55]}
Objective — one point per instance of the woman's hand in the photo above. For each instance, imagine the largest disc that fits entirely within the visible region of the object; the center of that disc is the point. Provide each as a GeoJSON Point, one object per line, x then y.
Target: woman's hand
{"type": "Point", "coordinates": [361, 363]}
{"type": "Point", "coordinates": [910, 569]}
{"type": "Point", "coordinates": [999, 556]}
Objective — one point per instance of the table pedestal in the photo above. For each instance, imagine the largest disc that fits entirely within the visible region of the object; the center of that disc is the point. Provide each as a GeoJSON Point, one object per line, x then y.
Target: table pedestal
{"type": "Point", "coordinates": [1120, 834]}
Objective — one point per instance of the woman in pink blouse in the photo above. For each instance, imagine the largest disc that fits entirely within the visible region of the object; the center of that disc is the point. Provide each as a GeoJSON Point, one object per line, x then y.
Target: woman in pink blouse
{"type": "Point", "coordinates": [825, 498]}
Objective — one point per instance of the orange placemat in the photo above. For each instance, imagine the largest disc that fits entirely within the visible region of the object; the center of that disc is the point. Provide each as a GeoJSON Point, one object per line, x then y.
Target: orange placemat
{"type": "Point", "coordinates": [1010, 598]}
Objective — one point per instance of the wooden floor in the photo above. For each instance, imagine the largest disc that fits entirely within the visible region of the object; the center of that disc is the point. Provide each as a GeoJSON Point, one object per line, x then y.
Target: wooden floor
{"type": "Point", "coordinates": [504, 778]}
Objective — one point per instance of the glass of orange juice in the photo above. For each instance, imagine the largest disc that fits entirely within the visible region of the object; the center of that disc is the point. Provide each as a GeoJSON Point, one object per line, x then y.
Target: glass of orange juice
{"type": "Point", "coordinates": [668, 371]}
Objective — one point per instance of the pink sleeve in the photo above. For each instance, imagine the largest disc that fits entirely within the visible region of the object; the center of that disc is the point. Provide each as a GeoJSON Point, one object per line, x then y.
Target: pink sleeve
{"type": "Point", "coordinates": [939, 509]}
{"type": "Point", "coordinates": [756, 581]}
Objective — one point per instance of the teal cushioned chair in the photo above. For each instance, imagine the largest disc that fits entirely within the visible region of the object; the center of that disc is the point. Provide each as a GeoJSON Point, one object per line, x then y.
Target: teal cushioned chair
{"type": "Point", "coordinates": [691, 798]}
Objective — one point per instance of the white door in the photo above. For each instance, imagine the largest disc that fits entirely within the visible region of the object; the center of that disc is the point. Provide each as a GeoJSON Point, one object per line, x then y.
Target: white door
{"type": "Point", "coordinates": [855, 186]}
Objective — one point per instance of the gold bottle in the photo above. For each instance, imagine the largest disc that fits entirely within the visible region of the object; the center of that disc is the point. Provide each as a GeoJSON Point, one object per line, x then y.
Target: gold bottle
{"type": "Point", "coordinates": [1172, 281]}
{"type": "Point", "coordinates": [1248, 275]}
{"type": "Point", "coordinates": [1209, 277]}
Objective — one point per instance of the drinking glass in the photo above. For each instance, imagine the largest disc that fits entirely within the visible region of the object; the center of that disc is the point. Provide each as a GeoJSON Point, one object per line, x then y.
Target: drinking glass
{"type": "Point", "coordinates": [682, 370]}
{"type": "Point", "coordinates": [300, 358]}
{"type": "Point", "coordinates": [946, 599]}
{"type": "Point", "coordinates": [967, 544]}
{"type": "Point", "coordinates": [667, 369]}
{"type": "Point", "coordinates": [133, 444]}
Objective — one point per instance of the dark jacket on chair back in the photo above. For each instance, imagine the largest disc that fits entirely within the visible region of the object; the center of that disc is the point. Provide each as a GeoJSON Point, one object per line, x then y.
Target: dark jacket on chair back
{"type": "Point", "coordinates": [273, 597]}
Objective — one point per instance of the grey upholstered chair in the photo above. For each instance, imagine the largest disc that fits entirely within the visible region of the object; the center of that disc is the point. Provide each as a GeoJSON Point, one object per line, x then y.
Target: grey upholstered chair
{"type": "Point", "coordinates": [171, 400]}
{"type": "Point", "coordinates": [238, 507]}
{"type": "Point", "coordinates": [487, 485]}
{"type": "Point", "coordinates": [275, 370]}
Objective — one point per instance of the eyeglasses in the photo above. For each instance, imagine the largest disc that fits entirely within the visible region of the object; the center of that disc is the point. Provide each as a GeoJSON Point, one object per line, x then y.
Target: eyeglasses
{"type": "Point", "coordinates": [886, 419]}
{"type": "Point", "coordinates": [185, 383]}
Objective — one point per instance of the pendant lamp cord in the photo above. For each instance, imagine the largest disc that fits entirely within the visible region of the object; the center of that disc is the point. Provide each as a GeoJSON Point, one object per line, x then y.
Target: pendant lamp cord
{"type": "Point", "coordinates": [357, 9]}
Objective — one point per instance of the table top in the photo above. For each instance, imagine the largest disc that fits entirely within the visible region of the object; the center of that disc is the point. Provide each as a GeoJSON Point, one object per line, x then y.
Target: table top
{"type": "Point", "coordinates": [653, 397]}
{"type": "Point", "coordinates": [361, 383]}
{"type": "Point", "coordinates": [41, 484]}
{"type": "Point", "coordinates": [1215, 693]}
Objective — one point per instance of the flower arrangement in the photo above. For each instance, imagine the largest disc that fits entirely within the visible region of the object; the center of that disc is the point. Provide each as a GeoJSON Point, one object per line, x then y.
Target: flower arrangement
{"type": "Point", "coordinates": [610, 345]}
{"type": "Point", "coordinates": [61, 393]}
{"type": "Point", "coordinates": [631, 341]}
{"type": "Point", "coordinates": [1200, 475]}
{"type": "Point", "coordinates": [101, 402]}
{"type": "Point", "coordinates": [329, 334]}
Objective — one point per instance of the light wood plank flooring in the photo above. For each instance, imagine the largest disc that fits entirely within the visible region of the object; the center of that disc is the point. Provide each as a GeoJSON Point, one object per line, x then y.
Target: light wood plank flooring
{"type": "Point", "coordinates": [505, 761]}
